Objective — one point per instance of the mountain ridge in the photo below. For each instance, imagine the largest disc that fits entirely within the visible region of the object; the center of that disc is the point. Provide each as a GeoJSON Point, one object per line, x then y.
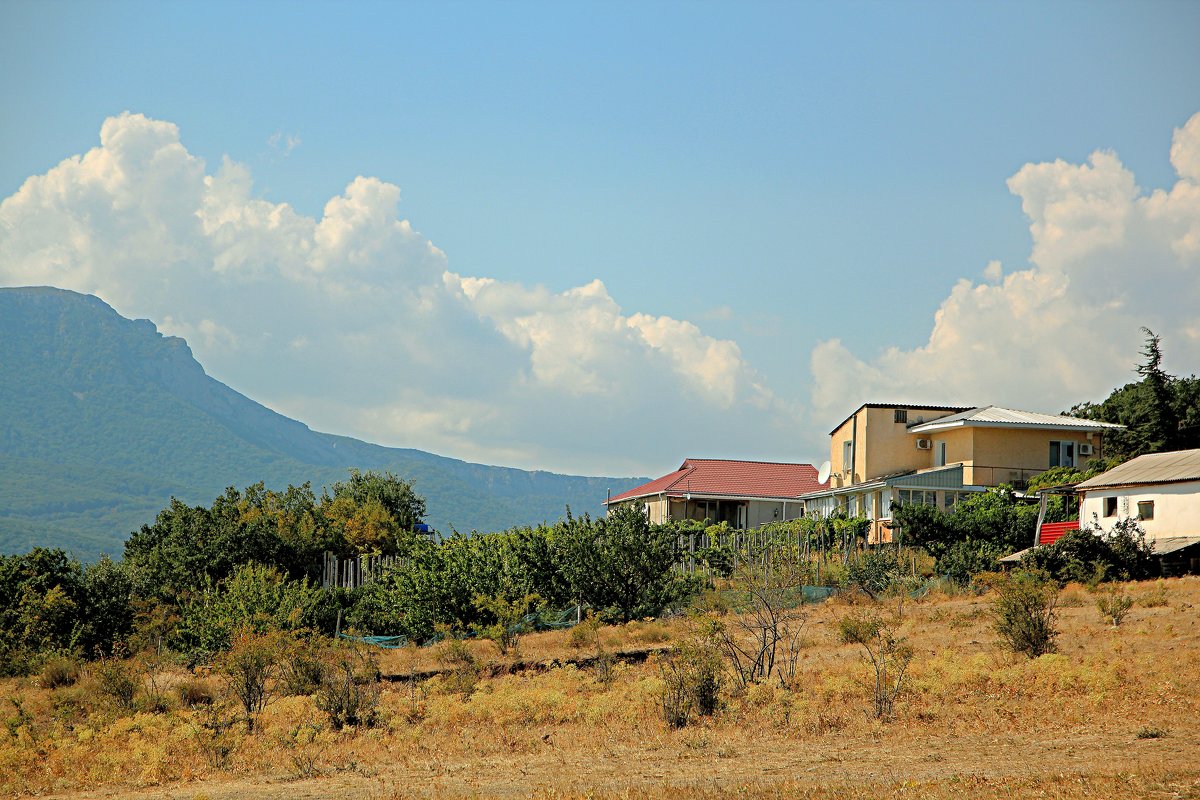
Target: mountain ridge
{"type": "Point", "coordinates": [105, 418]}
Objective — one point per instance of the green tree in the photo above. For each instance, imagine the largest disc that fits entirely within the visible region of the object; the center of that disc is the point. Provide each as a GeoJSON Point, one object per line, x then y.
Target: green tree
{"type": "Point", "coordinates": [621, 564]}
{"type": "Point", "coordinates": [375, 511]}
{"type": "Point", "coordinates": [1161, 412]}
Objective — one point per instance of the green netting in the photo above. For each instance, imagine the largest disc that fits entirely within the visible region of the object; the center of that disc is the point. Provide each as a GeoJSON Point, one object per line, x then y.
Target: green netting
{"type": "Point", "coordinates": [390, 642]}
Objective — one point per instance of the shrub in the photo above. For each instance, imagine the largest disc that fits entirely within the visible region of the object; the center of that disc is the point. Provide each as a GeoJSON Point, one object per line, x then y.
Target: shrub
{"type": "Point", "coordinates": [508, 616]}
{"type": "Point", "coordinates": [117, 678]}
{"type": "Point", "coordinates": [1114, 606]}
{"type": "Point", "coordinates": [464, 667]}
{"type": "Point", "coordinates": [303, 667]}
{"type": "Point", "coordinates": [213, 731]}
{"type": "Point", "coordinates": [247, 668]}
{"type": "Point", "coordinates": [676, 696]}
{"type": "Point", "coordinates": [349, 690]}
{"type": "Point", "coordinates": [1156, 597]}
{"type": "Point", "coordinates": [1025, 612]}
{"type": "Point", "coordinates": [1091, 555]}
{"type": "Point", "coordinates": [59, 670]}
{"type": "Point", "coordinates": [875, 572]}
{"type": "Point", "coordinates": [195, 692]}
{"type": "Point", "coordinates": [885, 651]}
{"type": "Point", "coordinates": [692, 677]}
{"type": "Point", "coordinates": [962, 561]}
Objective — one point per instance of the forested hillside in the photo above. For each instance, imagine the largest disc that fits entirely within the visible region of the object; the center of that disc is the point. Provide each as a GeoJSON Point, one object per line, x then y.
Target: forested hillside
{"type": "Point", "coordinates": [103, 420]}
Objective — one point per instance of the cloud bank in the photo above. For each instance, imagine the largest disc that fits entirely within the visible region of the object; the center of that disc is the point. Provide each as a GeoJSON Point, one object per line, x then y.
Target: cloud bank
{"type": "Point", "coordinates": [355, 323]}
{"type": "Point", "coordinates": [1107, 259]}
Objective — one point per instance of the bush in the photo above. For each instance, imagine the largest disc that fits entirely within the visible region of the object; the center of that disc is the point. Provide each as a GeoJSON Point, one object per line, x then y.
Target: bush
{"type": "Point", "coordinates": [59, 670]}
{"type": "Point", "coordinates": [1114, 606]}
{"type": "Point", "coordinates": [962, 561]}
{"type": "Point", "coordinates": [885, 651]}
{"type": "Point", "coordinates": [875, 572]}
{"type": "Point", "coordinates": [303, 668]}
{"type": "Point", "coordinates": [1025, 612]}
{"type": "Point", "coordinates": [1091, 555]}
{"type": "Point", "coordinates": [195, 692]}
{"type": "Point", "coordinates": [117, 678]}
{"type": "Point", "coordinates": [247, 669]}
{"type": "Point", "coordinates": [349, 690]}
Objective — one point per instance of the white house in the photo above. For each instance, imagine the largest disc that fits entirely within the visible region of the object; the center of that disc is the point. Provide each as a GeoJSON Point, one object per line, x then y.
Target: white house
{"type": "Point", "coordinates": [1162, 492]}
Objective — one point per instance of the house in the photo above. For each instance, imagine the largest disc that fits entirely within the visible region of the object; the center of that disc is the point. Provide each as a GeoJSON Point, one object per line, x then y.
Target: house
{"type": "Point", "coordinates": [1162, 492]}
{"type": "Point", "coordinates": [887, 453]}
{"type": "Point", "coordinates": [744, 494]}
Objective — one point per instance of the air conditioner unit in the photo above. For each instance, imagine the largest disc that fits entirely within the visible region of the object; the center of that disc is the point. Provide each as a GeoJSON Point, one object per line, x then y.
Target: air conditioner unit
{"type": "Point", "coordinates": [1085, 449]}
{"type": "Point", "coordinates": [924, 444]}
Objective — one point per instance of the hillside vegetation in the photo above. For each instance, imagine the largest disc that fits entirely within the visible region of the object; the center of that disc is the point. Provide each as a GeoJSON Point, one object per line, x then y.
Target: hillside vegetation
{"type": "Point", "coordinates": [104, 420]}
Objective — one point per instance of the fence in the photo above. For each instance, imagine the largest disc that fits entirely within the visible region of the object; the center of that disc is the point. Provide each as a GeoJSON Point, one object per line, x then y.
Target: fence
{"type": "Point", "coordinates": [351, 573]}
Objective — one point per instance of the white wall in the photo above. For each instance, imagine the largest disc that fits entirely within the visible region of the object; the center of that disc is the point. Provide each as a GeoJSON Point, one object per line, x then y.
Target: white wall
{"type": "Point", "coordinates": [1176, 508]}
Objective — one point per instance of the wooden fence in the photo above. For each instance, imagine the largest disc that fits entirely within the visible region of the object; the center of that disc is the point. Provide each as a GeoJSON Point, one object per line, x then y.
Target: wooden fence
{"type": "Point", "coordinates": [351, 573]}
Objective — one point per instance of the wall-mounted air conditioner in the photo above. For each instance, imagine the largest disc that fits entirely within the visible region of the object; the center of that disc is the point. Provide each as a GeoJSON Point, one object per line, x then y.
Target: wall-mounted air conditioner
{"type": "Point", "coordinates": [924, 444]}
{"type": "Point", "coordinates": [1085, 449]}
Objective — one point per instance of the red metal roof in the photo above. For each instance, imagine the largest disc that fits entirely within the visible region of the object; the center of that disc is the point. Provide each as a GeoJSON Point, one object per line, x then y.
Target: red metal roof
{"type": "Point", "coordinates": [712, 476]}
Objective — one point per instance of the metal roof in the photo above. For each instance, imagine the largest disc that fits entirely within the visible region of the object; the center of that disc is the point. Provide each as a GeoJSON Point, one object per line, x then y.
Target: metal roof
{"type": "Point", "coordinates": [999, 417]}
{"type": "Point", "coordinates": [725, 478]}
{"type": "Point", "coordinates": [1181, 465]}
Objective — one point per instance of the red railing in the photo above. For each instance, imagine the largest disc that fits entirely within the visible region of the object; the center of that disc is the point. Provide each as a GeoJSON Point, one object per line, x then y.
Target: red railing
{"type": "Point", "coordinates": [1051, 532]}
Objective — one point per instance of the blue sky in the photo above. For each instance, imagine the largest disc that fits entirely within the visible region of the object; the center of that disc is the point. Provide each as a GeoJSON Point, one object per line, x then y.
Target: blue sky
{"type": "Point", "coordinates": [778, 175]}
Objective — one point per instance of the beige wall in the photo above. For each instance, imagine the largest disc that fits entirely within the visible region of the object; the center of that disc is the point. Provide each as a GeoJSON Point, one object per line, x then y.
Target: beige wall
{"type": "Point", "coordinates": [1004, 455]}
{"type": "Point", "coordinates": [884, 445]}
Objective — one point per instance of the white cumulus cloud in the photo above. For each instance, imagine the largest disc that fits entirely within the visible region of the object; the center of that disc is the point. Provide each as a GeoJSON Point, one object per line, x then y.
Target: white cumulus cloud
{"type": "Point", "coordinates": [1107, 259]}
{"type": "Point", "coordinates": [354, 323]}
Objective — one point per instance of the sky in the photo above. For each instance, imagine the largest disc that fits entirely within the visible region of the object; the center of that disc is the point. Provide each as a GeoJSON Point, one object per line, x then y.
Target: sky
{"type": "Point", "coordinates": [599, 238]}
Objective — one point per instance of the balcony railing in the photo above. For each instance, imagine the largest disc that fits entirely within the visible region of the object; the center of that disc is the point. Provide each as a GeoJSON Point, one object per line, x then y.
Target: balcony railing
{"type": "Point", "coordinates": [1017, 477]}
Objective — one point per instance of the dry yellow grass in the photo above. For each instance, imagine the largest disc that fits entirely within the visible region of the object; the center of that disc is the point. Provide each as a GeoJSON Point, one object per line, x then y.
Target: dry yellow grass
{"type": "Point", "coordinates": [1113, 714]}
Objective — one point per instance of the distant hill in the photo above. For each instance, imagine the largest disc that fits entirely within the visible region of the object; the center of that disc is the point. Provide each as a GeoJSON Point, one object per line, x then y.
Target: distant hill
{"type": "Point", "coordinates": [103, 420]}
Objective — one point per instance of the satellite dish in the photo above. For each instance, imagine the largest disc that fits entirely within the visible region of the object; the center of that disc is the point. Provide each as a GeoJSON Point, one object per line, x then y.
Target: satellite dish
{"type": "Point", "coordinates": [823, 472]}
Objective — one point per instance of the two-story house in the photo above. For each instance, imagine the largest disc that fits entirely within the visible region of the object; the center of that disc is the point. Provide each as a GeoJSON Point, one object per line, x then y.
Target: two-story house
{"type": "Point", "coordinates": [887, 453]}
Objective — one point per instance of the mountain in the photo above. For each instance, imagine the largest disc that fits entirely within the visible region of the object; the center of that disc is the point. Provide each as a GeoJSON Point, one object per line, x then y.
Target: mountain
{"type": "Point", "coordinates": [103, 419]}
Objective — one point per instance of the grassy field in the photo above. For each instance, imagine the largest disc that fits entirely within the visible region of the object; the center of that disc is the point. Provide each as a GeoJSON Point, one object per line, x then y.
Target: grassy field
{"type": "Point", "coordinates": [1114, 713]}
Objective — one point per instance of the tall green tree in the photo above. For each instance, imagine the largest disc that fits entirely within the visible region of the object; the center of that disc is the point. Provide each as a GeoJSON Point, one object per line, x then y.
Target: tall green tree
{"type": "Point", "coordinates": [1161, 412]}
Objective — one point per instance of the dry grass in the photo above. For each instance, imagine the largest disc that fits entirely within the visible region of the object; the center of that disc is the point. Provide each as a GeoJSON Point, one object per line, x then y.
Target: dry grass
{"type": "Point", "coordinates": [975, 721]}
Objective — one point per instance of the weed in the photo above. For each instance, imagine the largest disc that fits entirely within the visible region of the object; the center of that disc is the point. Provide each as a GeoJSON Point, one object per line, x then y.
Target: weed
{"type": "Point", "coordinates": [194, 692]}
{"type": "Point", "coordinates": [1156, 597]}
{"type": "Point", "coordinates": [213, 732]}
{"type": "Point", "coordinates": [303, 743]}
{"type": "Point", "coordinates": [464, 667]}
{"type": "Point", "coordinates": [59, 670]}
{"type": "Point", "coordinates": [117, 678]}
{"type": "Point", "coordinates": [1114, 606]}
{"type": "Point", "coordinates": [349, 690]}
{"type": "Point", "coordinates": [887, 653]}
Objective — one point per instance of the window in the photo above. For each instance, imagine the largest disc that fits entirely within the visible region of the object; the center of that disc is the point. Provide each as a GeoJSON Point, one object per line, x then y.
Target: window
{"type": "Point", "coordinates": [900, 415]}
{"type": "Point", "coordinates": [1145, 509]}
{"type": "Point", "coordinates": [848, 456]}
{"type": "Point", "coordinates": [917, 497]}
{"type": "Point", "coordinates": [951, 499]}
{"type": "Point", "coordinates": [1110, 506]}
{"type": "Point", "coordinates": [939, 448]}
{"type": "Point", "coordinates": [1062, 454]}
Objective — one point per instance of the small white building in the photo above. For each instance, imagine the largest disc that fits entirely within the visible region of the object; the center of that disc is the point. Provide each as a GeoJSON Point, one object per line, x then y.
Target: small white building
{"type": "Point", "coordinates": [1162, 492]}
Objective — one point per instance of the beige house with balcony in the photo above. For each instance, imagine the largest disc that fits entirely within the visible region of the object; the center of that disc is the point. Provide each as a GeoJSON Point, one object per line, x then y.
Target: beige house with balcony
{"type": "Point", "coordinates": [888, 453]}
